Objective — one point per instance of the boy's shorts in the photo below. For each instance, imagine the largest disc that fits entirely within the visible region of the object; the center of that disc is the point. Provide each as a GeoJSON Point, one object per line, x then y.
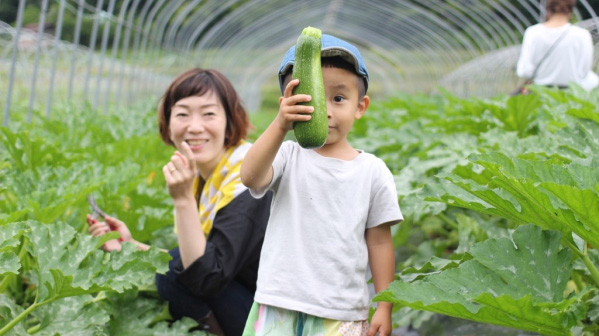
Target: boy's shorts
{"type": "Point", "coordinates": [272, 321]}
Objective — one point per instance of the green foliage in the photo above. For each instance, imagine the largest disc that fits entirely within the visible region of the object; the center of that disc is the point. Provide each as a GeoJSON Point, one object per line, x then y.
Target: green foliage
{"type": "Point", "coordinates": [62, 263]}
{"type": "Point", "coordinates": [515, 282]}
{"type": "Point", "coordinates": [553, 196]}
{"type": "Point", "coordinates": [49, 263]}
{"type": "Point", "coordinates": [500, 199]}
{"type": "Point", "coordinates": [471, 171]}
{"type": "Point", "coordinates": [31, 15]}
{"type": "Point", "coordinates": [8, 10]}
{"type": "Point", "coordinates": [131, 313]}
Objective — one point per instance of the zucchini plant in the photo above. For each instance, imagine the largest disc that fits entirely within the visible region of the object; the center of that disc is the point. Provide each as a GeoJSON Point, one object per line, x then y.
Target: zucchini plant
{"type": "Point", "coordinates": [512, 182]}
{"type": "Point", "coordinates": [54, 278]}
{"type": "Point", "coordinates": [500, 198]}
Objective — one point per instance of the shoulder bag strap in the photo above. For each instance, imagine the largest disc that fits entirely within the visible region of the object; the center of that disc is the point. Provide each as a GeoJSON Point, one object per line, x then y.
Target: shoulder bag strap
{"type": "Point", "coordinates": [549, 52]}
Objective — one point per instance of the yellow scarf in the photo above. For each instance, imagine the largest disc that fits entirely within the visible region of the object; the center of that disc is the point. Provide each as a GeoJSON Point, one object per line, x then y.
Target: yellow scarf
{"type": "Point", "coordinates": [222, 186]}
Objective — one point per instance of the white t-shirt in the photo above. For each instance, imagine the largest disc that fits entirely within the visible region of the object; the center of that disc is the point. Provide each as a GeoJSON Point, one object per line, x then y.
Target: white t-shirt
{"type": "Point", "coordinates": [314, 258]}
{"type": "Point", "coordinates": [569, 61]}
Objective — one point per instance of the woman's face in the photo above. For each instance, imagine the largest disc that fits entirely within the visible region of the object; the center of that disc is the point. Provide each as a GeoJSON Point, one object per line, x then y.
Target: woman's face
{"type": "Point", "coordinates": [201, 122]}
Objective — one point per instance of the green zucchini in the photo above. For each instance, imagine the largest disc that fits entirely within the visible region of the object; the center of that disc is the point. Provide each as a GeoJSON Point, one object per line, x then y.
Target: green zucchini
{"type": "Point", "coordinates": [307, 68]}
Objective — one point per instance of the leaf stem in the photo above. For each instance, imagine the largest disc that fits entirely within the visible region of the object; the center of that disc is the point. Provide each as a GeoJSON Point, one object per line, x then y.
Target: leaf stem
{"type": "Point", "coordinates": [448, 221]}
{"type": "Point", "coordinates": [585, 259]}
{"type": "Point", "coordinates": [594, 272]}
{"type": "Point", "coordinates": [24, 314]}
{"type": "Point", "coordinates": [577, 281]}
{"type": "Point", "coordinates": [5, 282]}
{"type": "Point", "coordinates": [18, 319]}
{"type": "Point", "coordinates": [34, 329]}
{"type": "Point", "coordinates": [101, 296]}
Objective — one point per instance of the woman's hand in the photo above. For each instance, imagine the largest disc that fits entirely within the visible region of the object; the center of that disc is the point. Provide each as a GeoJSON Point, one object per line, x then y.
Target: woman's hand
{"type": "Point", "coordinates": [97, 229]}
{"type": "Point", "coordinates": [180, 173]}
{"type": "Point", "coordinates": [290, 109]}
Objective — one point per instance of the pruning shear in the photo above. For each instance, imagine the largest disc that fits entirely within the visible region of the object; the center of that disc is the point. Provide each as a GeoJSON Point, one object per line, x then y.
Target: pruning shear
{"type": "Point", "coordinates": [96, 211]}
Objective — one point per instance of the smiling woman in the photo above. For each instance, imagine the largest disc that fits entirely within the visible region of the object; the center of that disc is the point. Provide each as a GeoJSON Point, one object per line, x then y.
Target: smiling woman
{"type": "Point", "coordinates": [199, 122]}
{"type": "Point", "coordinates": [220, 227]}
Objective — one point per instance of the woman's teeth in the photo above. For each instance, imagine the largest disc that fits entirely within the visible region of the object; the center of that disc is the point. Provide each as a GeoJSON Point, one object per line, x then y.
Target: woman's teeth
{"type": "Point", "coordinates": [196, 142]}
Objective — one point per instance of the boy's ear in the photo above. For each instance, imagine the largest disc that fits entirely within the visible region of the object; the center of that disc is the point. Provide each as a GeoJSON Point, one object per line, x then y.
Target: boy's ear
{"type": "Point", "coordinates": [362, 107]}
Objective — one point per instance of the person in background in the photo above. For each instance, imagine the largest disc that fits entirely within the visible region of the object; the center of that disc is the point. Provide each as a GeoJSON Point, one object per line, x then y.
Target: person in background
{"type": "Point", "coordinates": [557, 53]}
{"type": "Point", "coordinates": [219, 225]}
{"type": "Point", "coordinates": [331, 213]}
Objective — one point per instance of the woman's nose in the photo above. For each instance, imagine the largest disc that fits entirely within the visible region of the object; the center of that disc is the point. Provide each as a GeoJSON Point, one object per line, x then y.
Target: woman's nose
{"type": "Point", "coordinates": [196, 124]}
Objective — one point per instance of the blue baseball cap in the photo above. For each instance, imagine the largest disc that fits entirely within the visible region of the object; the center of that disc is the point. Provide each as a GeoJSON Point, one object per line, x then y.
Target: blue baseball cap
{"type": "Point", "coordinates": [331, 46]}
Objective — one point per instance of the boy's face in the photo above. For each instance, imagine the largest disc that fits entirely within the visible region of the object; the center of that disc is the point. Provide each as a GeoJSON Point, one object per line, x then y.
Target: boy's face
{"type": "Point", "coordinates": [343, 102]}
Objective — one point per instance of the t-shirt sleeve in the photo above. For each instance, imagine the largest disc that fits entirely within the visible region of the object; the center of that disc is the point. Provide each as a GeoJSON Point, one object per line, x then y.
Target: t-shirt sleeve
{"type": "Point", "coordinates": [586, 55]}
{"type": "Point", "coordinates": [278, 166]}
{"type": "Point", "coordinates": [525, 66]}
{"type": "Point", "coordinates": [234, 242]}
{"type": "Point", "coordinates": [384, 206]}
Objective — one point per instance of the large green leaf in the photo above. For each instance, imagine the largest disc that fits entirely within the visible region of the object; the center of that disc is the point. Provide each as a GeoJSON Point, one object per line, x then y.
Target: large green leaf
{"type": "Point", "coordinates": [72, 316]}
{"type": "Point", "coordinates": [9, 263]}
{"type": "Point", "coordinates": [133, 314]}
{"type": "Point", "coordinates": [539, 267]}
{"type": "Point", "coordinates": [10, 239]}
{"type": "Point", "coordinates": [70, 264]}
{"type": "Point", "coordinates": [519, 114]}
{"type": "Point", "coordinates": [556, 197]}
{"type": "Point", "coordinates": [515, 282]}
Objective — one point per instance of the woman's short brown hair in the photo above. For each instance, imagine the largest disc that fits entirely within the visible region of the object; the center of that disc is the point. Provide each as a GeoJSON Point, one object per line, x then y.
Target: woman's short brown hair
{"type": "Point", "coordinates": [197, 82]}
{"type": "Point", "coordinates": [560, 6]}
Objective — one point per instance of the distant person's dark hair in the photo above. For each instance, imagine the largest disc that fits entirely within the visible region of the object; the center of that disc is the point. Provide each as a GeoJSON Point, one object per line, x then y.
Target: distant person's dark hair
{"type": "Point", "coordinates": [560, 6]}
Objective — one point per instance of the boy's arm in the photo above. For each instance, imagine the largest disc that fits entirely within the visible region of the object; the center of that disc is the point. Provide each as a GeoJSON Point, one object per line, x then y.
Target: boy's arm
{"type": "Point", "coordinates": [381, 257]}
{"type": "Point", "coordinates": [256, 168]}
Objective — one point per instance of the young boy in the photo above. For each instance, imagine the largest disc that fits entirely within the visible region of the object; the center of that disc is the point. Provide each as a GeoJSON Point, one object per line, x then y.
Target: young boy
{"type": "Point", "coordinates": [330, 216]}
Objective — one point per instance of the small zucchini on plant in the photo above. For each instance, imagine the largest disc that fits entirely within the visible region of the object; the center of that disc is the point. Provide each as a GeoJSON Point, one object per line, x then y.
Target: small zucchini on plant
{"type": "Point", "coordinates": [307, 68]}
